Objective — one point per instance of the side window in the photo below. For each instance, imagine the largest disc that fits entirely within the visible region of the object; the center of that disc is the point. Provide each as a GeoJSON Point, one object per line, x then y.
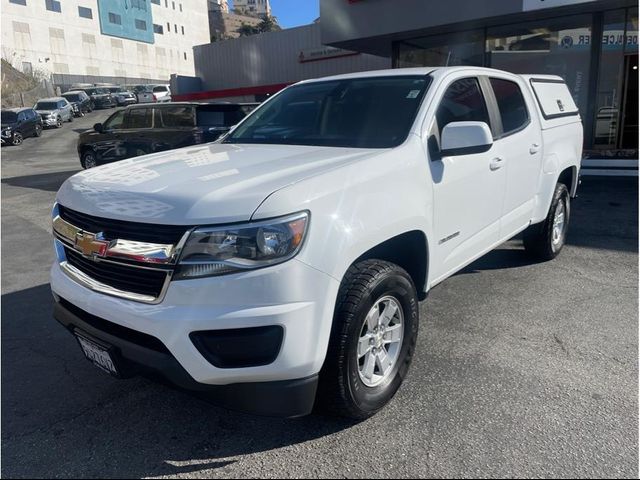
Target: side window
{"type": "Point", "coordinates": [462, 102]}
{"type": "Point", "coordinates": [138, 118]}
{"type": "Point", "coordinates": [22, 117]}
{"type": "Point", "coordinates": [159, 89]}
{"type": "Point", "coordinates": [115, 121]}
{"type": "Point", "coordinates": [513, 108]}
{"type": "Point", "coordinates": [177, 117]}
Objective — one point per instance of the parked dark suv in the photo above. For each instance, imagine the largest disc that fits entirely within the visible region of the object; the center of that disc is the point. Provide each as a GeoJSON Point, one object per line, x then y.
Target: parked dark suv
{"type": "Point", "coordinates": [141, 129]}
{"type": "Point", "coordinates": [100, 97]}
{"type": "Point", "coordinates": [80, 99]}
{"type": "Point", "coordinates": [19, 123]}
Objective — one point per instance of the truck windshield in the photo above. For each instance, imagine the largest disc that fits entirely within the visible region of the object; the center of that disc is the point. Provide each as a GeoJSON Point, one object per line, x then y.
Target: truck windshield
{"type": "Point", "coordinates": [374, 112]}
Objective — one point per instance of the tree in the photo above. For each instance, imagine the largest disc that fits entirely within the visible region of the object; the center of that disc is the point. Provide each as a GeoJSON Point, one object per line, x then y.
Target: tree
{"type": "Point", "coordinates": [246, 30]}
{"type": "Point", "coordinates": [269, 24]}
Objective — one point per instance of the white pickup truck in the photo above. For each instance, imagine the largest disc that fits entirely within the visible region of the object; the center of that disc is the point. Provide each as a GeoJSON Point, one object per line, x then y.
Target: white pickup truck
{"type": "Point", "coordinates": [281, 266]}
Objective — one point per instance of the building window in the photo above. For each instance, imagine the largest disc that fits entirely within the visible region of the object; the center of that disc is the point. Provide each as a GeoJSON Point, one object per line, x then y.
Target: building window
{"type": "Point", "coordinates": [157, 2]}
{"type": "Point", "coordinates": [174, 5]}
{"type": "Point", "coordinates": [158, 29]}
{"type": "Point", "coordinates": [139, 4]}
{"type": "Point", "coordinates": [168, 27]}
{"type": "Point", "coordinates": [18, 2]}
{"type": "Point", "coordinates": [166, 3]}
{"type": "Point", "coordinates": [115, 18]}
{"type": "Point", "coordinates": [180, 7]}
{"type": "Point", "coordinates": [185, 55]}
{"type": "Point", "coordinates": [141, 24]}
{"type": "Point", "coordinates": [85, 12]}
{"type": "Point", "coordinates": [182, 27]}
{"type": "Point", "coordinates": [462, 48]}
{"type": "Point", "coordinates": [53, 5]}
{"type": "Point", "coordinates": [175, 27]}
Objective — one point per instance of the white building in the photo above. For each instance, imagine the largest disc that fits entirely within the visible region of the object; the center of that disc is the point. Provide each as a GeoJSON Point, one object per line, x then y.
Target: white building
{"type": "Point", "coordinates": [104, 39]}
{"type": "Point", "coordinates": [252, 7]}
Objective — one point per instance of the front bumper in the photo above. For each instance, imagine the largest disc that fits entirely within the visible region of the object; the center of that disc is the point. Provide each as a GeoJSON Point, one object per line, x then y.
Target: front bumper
{"type": "Point", "coordinates": [289, 398]}
{"type": "Point", "coordinates": [127, 101]}
{"type": "Point", "coordinates": [6, 136]}
{"type": "Point", "coordinates": [291, 295]}
{"type": "Point", "coordinates": [49, 122]}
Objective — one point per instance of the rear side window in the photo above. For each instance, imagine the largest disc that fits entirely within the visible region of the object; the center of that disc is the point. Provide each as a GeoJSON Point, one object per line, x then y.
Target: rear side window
{"type": "Point", "coordinates": [462, 102]}
{"type": "Point", "coordinates": [159, 89]}
{"type": "Point", "coordinates": [513, 109]}
{"type": "Point", "coordinates": [220, 115]}
{"type": "Point", "coordinates": [175, 117]}
{"type": "Point", "coordinates": [138, 118]}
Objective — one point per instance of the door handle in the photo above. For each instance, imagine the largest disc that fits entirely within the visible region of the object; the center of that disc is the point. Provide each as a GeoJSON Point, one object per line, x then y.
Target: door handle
{"type": "Point", "coordinates": [496, 163]}
{"type": "Point", "coordinates": [535, 148]}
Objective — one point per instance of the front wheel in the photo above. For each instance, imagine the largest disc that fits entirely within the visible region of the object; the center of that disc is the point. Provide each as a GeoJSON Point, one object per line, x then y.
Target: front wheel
{"type": "Point", "coordinates": [17, 139]}
{"type": "Point", "coordinates": [545, 240]}
{"type": "Point", "coordinates": [58, 122]}
{"type": "Point", "coordinates": [373, 338]}
{"type": "Point", "coordinates": [38, 130]}
{"type": "Point", "coordinates": [89, 159]}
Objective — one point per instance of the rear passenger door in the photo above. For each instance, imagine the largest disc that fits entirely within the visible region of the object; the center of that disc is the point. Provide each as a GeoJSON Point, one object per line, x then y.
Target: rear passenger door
{"type": "Point", "coordinates": [175, 127]}
{"type": "Point", "coordinates": [138, 136]}
{"type": "Point", "coordinates": [519, 144]}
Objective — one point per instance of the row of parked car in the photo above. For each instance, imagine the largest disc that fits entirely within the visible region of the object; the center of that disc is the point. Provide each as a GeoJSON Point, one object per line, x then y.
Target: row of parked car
{"type": "Point", "coordinates": [20, 123]}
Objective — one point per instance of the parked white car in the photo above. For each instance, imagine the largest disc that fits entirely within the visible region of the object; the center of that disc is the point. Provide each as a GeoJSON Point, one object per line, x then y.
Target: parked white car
{"type": "Point", "coordinates": [54, 111]}
{"type": "Point", "coordinates": [152, 93]}
{"type": "Point", "coordinates": [282, 266]}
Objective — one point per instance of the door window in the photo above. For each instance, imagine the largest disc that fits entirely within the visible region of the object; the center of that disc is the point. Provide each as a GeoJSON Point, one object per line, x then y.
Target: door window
{"type": "Point", "coordinates": [115, 121]}
{"type": "Point", "coordinates": [21, 117]}
{"type": "Point", "coordinates": [138, 118]}
{"type": "Point", "coordinates": [462, 102]}
{"type": "Point", "coordinates": [511, 104]}
{"type": "Point", "coordinates": [175, 117]}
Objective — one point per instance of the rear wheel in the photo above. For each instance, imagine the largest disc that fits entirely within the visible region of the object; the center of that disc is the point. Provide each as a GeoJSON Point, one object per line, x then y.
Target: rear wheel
{"type": "Point", "coordinates": [17, 139]}
{"type": "Point", "coordinates": [89, 159]}
{"type": "Point", "coordinates": [545, 240]}
{"type": "Point", "coordinates": [373, 338]}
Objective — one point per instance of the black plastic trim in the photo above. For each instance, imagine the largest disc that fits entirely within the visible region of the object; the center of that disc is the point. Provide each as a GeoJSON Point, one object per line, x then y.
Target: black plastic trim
{"type": "Point", "coordinates": [466, 150]}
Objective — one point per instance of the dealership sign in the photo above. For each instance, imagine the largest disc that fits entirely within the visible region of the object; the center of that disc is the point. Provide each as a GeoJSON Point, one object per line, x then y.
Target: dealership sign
{"type": "Point", "coordinates": [538, 4]}
{"type": "Point", "coordinates": [323, 53]}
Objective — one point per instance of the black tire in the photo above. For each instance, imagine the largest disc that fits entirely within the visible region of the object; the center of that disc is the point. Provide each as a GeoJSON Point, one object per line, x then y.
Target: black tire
{"type": "Point", "coordinates": [88, 159]}
{"type": "Point", "coordinates": [341, 389]}
{"type": "Point", "coordinates": [71, 118]}
{"type": "Point", "coordinates": [17, 139]}
{"type": "Point", "coordinates": [38, 130]}
{"type": "Point", "coordinates": [541, 240]}
{"type": "Point", "coordinates": [59, 122]}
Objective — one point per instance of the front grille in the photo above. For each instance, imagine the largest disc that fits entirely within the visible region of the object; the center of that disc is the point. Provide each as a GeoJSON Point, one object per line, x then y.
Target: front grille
{"type": "Point", "coordinates": [139, 232]}
{"type": "Point", "coordinates": [142, 281]}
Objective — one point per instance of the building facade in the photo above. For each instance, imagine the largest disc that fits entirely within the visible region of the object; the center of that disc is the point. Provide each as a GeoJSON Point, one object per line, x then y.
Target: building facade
{"type": "Point", "coordinates": [258, 8]}
{"type": "Point", "coordinates": [224, 25]}
{"type": "Point", "coordinates": [102, 40]}
{"type": "Point", "coordinates": [592, 44]}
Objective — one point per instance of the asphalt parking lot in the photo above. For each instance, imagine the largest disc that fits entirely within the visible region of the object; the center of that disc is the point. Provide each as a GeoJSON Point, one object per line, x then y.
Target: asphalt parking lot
{"type": "Point", "coordinates": [522, 369]}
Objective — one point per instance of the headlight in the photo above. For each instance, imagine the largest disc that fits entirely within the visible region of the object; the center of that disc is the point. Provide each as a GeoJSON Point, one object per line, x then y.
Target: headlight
{"type": "Point", "coordinates": [218, 250]}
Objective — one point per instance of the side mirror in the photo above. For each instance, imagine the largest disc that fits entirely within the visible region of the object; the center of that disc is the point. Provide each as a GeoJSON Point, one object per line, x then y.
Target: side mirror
{"type": "Point", "coordinates": [98, 127]}
{"type": "Point", "coordinates": [465, 138]}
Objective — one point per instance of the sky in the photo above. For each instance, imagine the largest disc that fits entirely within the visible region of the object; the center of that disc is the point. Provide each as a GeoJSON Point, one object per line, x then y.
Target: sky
{"type": "Point", "coordinates": [293, 13]}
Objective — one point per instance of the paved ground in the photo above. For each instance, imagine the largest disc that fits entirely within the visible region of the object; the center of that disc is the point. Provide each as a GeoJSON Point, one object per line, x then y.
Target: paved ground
{"type": "Point", "coordinates": [522, 369]}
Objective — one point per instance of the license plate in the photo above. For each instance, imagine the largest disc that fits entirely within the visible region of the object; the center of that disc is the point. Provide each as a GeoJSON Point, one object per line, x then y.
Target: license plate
{"type": "Point", "coordinates": [97, 354]}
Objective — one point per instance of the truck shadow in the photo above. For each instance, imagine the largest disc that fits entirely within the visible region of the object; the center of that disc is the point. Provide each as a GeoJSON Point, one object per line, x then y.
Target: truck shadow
{"type": "Point", "coordinates": [54, 402]}
{"type": "Point", "coordinates": [49, 182]}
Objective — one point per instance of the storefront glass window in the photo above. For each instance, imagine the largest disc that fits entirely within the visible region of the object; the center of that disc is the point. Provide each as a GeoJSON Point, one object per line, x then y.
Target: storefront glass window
{"type": "Point", "coordinates": [461, 48]}
{"type": "Point", "coordinates": [559, 46]}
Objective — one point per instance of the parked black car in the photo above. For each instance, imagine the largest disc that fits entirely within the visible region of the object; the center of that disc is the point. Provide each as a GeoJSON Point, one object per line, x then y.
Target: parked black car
{"type": "Point", "coordinates": [79, 98]}
{"type": "Point", "coordinates": [19, 123]}
{"type": "Point", "coordinates": [147, 128]}
{"type": "Point", "coordinates": [100, 97]}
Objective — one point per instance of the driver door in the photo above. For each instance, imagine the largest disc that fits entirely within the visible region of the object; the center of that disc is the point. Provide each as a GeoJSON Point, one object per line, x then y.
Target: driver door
{"type": "Point", "coordinates": [468, 188]}
{"type": "Point", "coordinates": [108, 144]}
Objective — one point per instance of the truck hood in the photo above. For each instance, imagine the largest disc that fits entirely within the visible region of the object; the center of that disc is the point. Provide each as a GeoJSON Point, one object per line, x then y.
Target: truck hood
{"type": "Point", "coordinates": [207, 184]}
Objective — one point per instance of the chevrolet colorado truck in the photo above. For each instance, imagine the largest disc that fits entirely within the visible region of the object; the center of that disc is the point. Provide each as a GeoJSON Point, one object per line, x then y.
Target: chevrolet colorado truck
{"type": "Point", "coordinates": [281, 266]}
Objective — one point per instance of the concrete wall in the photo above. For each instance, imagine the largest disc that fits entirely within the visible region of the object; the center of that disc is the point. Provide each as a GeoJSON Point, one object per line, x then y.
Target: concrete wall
{"type": "Point", "coordinates": [273, 58]}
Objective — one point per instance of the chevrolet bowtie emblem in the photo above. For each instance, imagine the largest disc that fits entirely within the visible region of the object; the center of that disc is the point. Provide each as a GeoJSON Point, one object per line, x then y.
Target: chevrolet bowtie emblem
{"type": "Point", "coordinates": [89, 245]}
